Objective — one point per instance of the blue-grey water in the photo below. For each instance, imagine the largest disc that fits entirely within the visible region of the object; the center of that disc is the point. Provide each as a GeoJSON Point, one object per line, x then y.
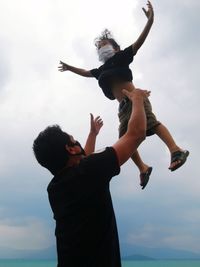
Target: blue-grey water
{"type": "Point", "coordinates": [52, 263]}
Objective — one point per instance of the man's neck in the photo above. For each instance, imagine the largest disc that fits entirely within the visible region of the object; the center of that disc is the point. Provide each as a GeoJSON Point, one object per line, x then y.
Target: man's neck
{"type": "Point", "coordinates": [74, 161]}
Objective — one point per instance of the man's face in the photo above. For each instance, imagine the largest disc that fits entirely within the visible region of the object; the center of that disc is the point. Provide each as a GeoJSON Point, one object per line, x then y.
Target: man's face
{"type": "Point", "coordinates": [78, 149]}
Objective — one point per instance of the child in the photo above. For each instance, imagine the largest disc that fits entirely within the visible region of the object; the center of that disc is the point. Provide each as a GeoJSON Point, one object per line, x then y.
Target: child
{"type": "Point", "coordinates": [114, 76]}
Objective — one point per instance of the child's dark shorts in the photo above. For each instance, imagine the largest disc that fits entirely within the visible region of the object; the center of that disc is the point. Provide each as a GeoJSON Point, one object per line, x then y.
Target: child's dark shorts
{"type": "Point", "coordinates": [125, 110]}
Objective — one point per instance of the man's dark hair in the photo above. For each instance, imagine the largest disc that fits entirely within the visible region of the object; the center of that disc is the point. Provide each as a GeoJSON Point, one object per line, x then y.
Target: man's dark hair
{"type": "Point", "coordinates": [106, 35]}
{"type": "Point", "coordinates": [49, 148]}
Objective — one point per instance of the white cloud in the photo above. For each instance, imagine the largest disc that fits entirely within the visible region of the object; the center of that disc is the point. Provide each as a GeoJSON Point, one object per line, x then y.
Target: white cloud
{"type": "Point", "coordinates": [164, 236]}
{"type": "Point", "coordinates": [32, 234]}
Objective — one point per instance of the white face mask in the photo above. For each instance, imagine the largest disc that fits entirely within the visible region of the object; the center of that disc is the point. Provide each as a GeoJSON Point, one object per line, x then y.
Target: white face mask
{"type": "Point", "coordinates": [106, 52]}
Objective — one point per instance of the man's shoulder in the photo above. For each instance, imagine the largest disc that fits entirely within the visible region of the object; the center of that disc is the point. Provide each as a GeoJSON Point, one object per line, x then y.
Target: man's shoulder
{"type": "Point", "coordinates": [102, 153]}
{"type": "Point", "coordinates": [100, 159]}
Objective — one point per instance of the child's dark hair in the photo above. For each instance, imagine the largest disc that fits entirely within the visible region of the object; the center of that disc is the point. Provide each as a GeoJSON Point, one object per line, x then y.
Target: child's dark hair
{"type": "Point", "coordinates": [106, 35]}
{"type": "Point", "coordinates": [49, 148]}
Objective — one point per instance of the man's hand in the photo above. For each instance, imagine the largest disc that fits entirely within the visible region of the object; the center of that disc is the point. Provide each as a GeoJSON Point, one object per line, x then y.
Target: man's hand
{"type": "Point", "coordinates": [136, 94]}
{"type": "Point", "coordinates": [63, 67]}
{"type": "Point", "coordinates": [149, 12]}
{"type": "Point", "coordinates": [95, 124]}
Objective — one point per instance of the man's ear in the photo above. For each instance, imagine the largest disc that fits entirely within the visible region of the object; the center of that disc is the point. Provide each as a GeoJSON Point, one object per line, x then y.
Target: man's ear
{"type": "Point", "coordinates": [70, 149]}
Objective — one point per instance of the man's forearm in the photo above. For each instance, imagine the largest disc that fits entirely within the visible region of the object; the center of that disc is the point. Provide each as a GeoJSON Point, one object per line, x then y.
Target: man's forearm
{"type": "Point", "coordinates": [90, 144]}
{"type": "Point", "coordinates": [137, 121]}
{"type": "Point", "coordinates": [136, 132]}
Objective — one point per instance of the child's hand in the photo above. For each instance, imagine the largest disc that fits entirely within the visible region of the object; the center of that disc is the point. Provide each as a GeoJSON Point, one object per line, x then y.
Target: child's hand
{"type": "Point", "coordinates": [149, 12]}
{"type": "Point", "coordinates": [95, 124]}
{"type": "Point", "coordinates": [63, 67]}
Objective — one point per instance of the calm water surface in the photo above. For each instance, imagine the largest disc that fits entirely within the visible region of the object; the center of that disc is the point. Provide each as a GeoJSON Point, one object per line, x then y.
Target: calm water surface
{"type": "Point", "coordinates": [52, 263]}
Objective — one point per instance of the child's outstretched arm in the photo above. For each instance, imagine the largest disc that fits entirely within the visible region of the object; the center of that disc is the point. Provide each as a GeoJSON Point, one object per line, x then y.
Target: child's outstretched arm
{"type": "Point", "coordinates": [64, 67]}
{"type": "Point", "coordinates": [150, 16]}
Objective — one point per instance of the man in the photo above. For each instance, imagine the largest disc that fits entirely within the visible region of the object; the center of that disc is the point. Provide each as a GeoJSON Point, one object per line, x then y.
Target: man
{"type": "Point", "coordinates": [86, 231]}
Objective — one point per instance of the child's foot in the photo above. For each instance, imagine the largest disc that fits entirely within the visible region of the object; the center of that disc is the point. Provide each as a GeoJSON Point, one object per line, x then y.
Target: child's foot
{"type": "Point", "coordinates": [178, 158]}
{"type": "Point", "coordinates": [144, 177]}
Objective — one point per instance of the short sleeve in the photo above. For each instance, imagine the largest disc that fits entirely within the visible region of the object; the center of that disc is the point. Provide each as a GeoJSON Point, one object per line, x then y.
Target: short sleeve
{"type": "Point", "coordinates": [95, 73]}
{"type": "Point", "coordinates": [128, 54]}
{"type": "Point", "coordinates": [101, 165]}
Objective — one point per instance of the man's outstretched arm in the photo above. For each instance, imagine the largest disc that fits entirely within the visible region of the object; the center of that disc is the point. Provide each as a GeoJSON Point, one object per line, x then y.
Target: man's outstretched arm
{"type": "Point", "coordinates": [95, 126]}
{"type": "Point", "coordinates": [136, 132]}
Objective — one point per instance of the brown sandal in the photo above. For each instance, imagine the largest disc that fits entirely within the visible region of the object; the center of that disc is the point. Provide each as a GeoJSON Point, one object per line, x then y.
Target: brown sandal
{"type": "Point", "coordinates": [144, 177]}
{"type": "Point", "coordinates": [180, 156]}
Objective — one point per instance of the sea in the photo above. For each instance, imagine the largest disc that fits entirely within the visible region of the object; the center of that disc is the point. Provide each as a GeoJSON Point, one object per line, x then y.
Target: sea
{"type": "Point", "coordinates": [52, 263]}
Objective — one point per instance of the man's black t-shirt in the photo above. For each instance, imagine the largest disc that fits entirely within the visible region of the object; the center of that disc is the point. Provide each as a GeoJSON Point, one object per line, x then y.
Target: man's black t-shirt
{"type": "Point", "coordinates": [115, 68]}
{"type": "Point", "coordinates": [80, 199]}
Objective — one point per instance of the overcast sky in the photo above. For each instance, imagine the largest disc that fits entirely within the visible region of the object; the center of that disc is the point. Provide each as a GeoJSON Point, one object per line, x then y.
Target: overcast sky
{"type": "Point", "coordinates": [34, 36]}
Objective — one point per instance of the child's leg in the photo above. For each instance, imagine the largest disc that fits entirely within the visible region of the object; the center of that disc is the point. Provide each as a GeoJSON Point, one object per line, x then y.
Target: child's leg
{"type": "Point", "coordinates": [166, 137]}
{"type": "Point", "coordinates": [139, 163]}
{"type": "Point", "coordinates": [144, 169]}
{"type": "Point", "coordinates": [178, 155]}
